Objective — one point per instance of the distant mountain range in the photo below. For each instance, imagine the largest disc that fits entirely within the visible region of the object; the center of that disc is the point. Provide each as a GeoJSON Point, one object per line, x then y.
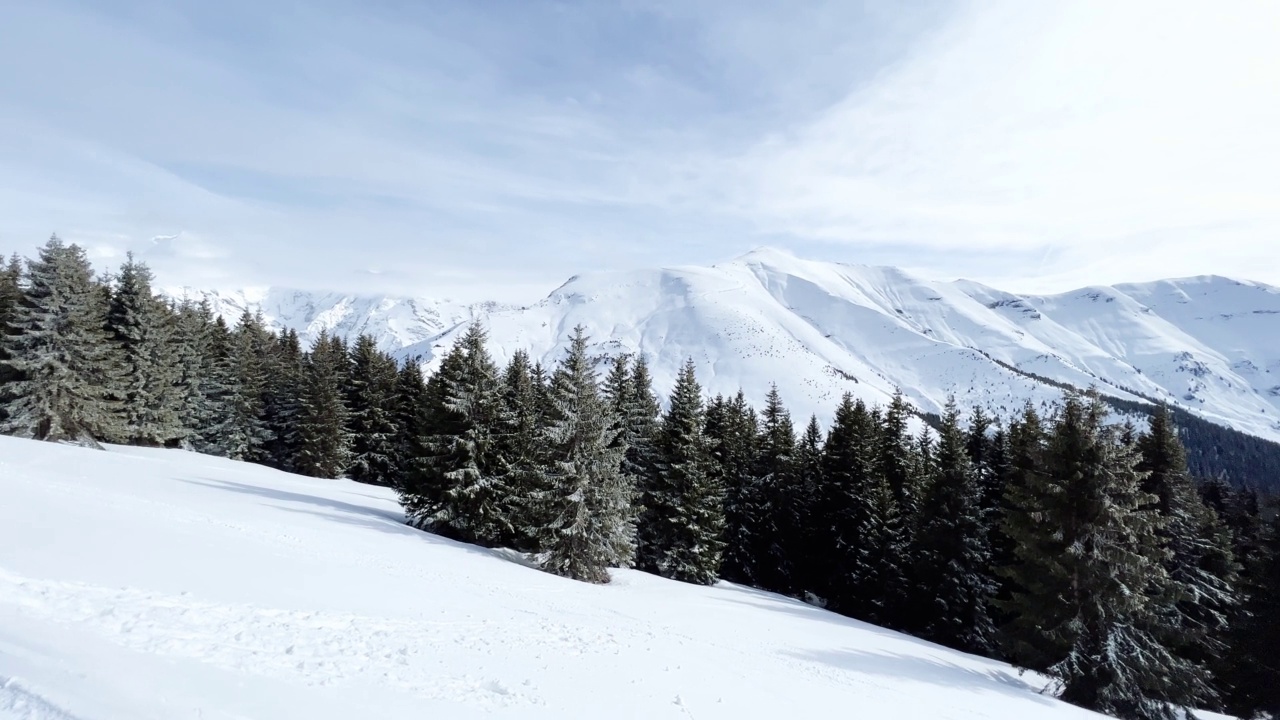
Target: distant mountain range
{"type": "Point", "coordinates": [1208, 344]}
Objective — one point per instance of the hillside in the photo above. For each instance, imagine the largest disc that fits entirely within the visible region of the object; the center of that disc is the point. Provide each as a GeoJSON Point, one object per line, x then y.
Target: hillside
{"type": "Point", "coordinates": [1210, 345]}
{"type": "Point", "coordinates": [164, 584]}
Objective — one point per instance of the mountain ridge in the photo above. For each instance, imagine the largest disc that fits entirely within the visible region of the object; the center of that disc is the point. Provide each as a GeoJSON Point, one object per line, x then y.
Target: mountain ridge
{"type": "Point", "coordinates": [1209, 344]}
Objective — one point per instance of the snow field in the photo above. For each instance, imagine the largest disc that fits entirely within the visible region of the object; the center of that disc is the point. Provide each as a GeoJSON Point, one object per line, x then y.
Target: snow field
{"type": "Point", "coordinates": [165, 584]}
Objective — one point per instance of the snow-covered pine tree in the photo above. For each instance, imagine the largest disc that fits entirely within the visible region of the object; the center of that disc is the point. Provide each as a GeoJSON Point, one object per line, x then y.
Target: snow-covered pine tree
{"type": "Point", "coordinates": [246, 432]}
{"type": "Point", "coordinates": [409, 408]}
{"type": "Point", "coordinates": [429, 454]}
{"type": "Point", "coordinates": [616, 393]}
{"type": "Point", "coordinates": [733, 429]}
{"type": "Point", "coordinates": [474, 505]}
{"type": "Point", "coordinates": [687, 514]}
{"type": "Point", "coordinates": [215, 429]}
{"type": "Point", "coordinates": [372, 422]}
{"type": "Point", "coordinates": [191, 344]}
{"type": "Point", "coordinates": [804, 514]}
{"type": "Point", "coordinates": [143, 329]}
{"type": "Point", "coordinates": [10, 296]}
{"type": "Point", "coordinates": [953, 574]}
{"type": "Point", "coordinates": [590, 500]}
{"type": "Point", "coordinates": [1087, 557]}
{"type": "Point", "coordinates": [64, 367]}
{"type": "Point", "coordinates": [629, 394]}
{"type": "Point", "coordinates": [525, 403]}
{"type": "Point", "coordinates": [1198, 599]}
{"type": "Point", "coordinates": [323, 442]}
{"type": "Point", "coordinates": [282, 400]}
{"type": "Point", "coordinates": [616, 387]}
{"type": "Point", "coordinates": [642, 412]}
{"type": "Point", "coordinates": [10, 287]}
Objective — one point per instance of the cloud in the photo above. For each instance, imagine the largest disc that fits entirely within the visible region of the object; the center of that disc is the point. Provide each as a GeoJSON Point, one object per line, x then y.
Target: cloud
{"type": "Point", "coordinates": [1097, 134]}
{"type": "Point", "coordinates": [481, 151]}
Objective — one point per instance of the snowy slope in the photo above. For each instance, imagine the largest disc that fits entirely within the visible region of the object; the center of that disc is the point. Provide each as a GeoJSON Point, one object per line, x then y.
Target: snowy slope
{"type": "Point", "coordinates": [819, 329]}
{"type": "Point", "coordinates": [150, 584]}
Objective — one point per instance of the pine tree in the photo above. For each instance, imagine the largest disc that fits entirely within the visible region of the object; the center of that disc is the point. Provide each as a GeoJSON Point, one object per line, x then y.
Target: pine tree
{"type": "Point", "coordinates": [687, 501]}
{"type": "Point", "coordinates": [641, 420]}
{"type": "Point", "coordinates": [590, 503]}
{"type": "Point", "coordinates": [847, 467]}
{"type": "Point", "coordinates": [732, 427]}
{"type": "Point", "coordinates": [63, 366]}
{"type": "Point", "coordinates": [628, 390]}
{"type": "Point", "coordinates": [1015, 525]}
{"type": "Point", "coordinates": [524, 454]}
{"type": "Point", "coordinates": [803, 515]}
{"type": "Point", "coordinates": [867, 578]}
{"type": "Point", "coordinates": [771, 498]}
{"type": "Point", "coordinates": [1251, 668]}
{"type": "Point", "coordinates": [10, 296]}
{"type": "Point", "coordinates": [282, 401]}
{"type": "Point", "coordinates": [247, 434]}
{"type": "Point", "coordinates": [1087, 556]}
{"type": "Point", "coordinates": [898, 463]}
{"type": "Point", "coordinates": [191, 346]}
{"type": "Point", "coordinates": [617, 389]}
{"type": "Point", "coordinates": [474, 503]}
{"type": "Point", "coordinates": [988, 453]}
{"type": "Point", "coordinates": [323, 442]}
{"type": "Point", "coordinates": [372, 422]}
{"type": "Point", "coordinates": [429, 454]}
{"type": "Point", "coordinates": [901, 464]}
{"type": "Point", "coordinates": [953, 571]}
{"type": "Point", "coordinates": [409, 407]}
{"type": "Point", "coordinates": [214, 419]}
{"type": "Point", "coordinates": [143, 329]}
{"type": "Point", "coordinates": [1198, 598]}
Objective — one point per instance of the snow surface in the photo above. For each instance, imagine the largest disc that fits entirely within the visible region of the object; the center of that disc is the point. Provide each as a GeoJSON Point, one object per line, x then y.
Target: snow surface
{"type": "Point", "coordinates": [1209, 344]}
{"type": "Point", "coordinates": [164, 584]}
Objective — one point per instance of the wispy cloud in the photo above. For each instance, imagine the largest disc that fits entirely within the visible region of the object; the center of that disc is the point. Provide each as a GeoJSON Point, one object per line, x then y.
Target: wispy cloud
{"type": "Point", "coordinates": [481, 150]}
{"type": "Point", "coordinates": [1120, 139]}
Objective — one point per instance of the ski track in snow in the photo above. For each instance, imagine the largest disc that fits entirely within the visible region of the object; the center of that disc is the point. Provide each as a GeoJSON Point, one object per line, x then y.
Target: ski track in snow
{"type": "Point", "coordinates": [310, 647]}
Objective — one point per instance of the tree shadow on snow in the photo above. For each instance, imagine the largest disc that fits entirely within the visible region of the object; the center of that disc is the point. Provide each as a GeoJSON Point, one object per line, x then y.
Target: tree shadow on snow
{"type": "Point", "coordinates": [927, 666]}
{"type": "Point", "coordinates": [293, 497]}
{"type": "Point", "coordinates": [928, 669]}
{"type": "Point", "coordinates": [390, 522]}
{"type": "Point", "coordinates": [765, 600]}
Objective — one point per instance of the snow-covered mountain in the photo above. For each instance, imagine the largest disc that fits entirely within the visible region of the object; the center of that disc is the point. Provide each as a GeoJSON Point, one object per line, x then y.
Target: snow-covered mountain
{"type": "Point", "coordinates": [185, 587]}
{"type": "Point", "coordinates": [396, 322]}
{"type": "Point", "coordinates": [818, 329]}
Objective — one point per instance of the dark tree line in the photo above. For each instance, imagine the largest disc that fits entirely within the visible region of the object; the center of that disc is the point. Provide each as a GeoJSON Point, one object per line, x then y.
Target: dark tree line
{"type": "Point", "coordinates": [1213, 450]}
{"type": "Point", "coordinates": [1064, 544]}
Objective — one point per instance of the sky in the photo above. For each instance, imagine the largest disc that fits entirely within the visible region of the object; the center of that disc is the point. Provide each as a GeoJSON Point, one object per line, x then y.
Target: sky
{"type": "Point", "coordinates": [489, 150]}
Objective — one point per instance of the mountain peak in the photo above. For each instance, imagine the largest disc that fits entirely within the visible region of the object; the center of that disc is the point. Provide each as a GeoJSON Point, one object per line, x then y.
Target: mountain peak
{"type": "Point", "coordinates": [820, 329]}
{"type": "Point", "coordinates": [767, 255]}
